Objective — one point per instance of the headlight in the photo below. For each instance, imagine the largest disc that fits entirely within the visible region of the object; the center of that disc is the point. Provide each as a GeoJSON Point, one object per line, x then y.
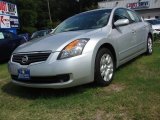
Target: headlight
{"type": "Point", "coordinates": [73, 49]}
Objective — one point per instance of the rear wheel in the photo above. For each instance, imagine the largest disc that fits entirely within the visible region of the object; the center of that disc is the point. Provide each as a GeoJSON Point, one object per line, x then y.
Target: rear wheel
{"type": "Point", "coordinates": [149, 46]}
{"type": "Point", "coordinates": [104, 67]}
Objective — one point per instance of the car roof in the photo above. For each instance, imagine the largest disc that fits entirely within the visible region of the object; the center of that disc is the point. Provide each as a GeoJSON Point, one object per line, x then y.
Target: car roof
{"type": "Point", "coordinates": [99, 9]}
{"type": "Point", "coordinates": [107, 9]}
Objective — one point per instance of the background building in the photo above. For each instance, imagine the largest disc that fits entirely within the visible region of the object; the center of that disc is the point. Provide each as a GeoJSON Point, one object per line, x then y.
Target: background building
{"type": "Point", "coordinates": [146, 8]}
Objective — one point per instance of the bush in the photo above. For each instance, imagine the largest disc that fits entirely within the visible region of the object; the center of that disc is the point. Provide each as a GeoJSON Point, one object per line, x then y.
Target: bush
{"type": "Point", "coordinates": [29, 30]}
{"type": "Point", "coordinates": [156, 37]}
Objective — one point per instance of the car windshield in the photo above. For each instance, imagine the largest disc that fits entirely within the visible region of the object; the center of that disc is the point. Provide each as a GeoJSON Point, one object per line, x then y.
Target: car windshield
{"type": "Point", "coordinates": [83, 21]}
{"type": "Point", "coordinates": [154, 22]}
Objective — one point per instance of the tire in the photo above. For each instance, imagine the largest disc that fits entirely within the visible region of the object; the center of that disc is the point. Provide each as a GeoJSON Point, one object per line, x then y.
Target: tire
{"type": "Point", "coordinates": [104, 67]}
{"type": "Point", "coordinates": [149, 46]}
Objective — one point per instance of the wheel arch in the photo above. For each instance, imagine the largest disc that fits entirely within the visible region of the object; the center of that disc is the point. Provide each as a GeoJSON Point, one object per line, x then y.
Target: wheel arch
{"type": "Point", "coordinates": [97, 47]}
{"type": "Point", "coordinates": [111, 48]}
{"type": "Point", "coordinates": [151, 35]}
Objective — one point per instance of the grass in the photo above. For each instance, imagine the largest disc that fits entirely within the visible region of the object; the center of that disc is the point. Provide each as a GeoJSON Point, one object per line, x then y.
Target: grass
{"type": "Point", "coordinates": [133, 94]}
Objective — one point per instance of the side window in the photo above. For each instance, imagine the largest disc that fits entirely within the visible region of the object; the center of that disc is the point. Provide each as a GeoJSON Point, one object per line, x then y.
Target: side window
{"type": "Point", "coordinates": [120, 14]}
{"type": "Point", "coordinates": [133, 16]}
{"type": "Point", "coordinates": [8, 35]}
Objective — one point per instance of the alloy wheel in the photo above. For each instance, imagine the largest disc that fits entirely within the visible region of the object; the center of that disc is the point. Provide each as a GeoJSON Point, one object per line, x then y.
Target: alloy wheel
{"type": "Point", "coordinates": [150, 45]}
{"type": "Point", "coordinates": [106, 67]}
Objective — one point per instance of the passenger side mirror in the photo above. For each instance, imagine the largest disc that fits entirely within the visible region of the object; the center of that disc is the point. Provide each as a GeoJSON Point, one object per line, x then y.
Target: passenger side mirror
{"type": "Point", "coordinates": [121, 22]}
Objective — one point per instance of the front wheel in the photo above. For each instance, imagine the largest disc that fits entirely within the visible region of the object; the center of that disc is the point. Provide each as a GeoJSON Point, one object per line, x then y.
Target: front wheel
{"type": "Point", "coordinates": [149, 46]}
{"type": "Point", "coordinates": [104, 67]}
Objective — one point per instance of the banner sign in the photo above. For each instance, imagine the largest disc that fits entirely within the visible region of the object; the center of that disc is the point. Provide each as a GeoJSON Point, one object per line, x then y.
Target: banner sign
{"type": "Point", "coordinates": [5, 21]}
{"type": "Point", "coordinates": [8, 15]}
{"type": "Point", "coordinates": [138, 5]}
{"type": "Point", "coordinates": [8, 9]}
{"type": "Point", "coordinates": [14, 22]}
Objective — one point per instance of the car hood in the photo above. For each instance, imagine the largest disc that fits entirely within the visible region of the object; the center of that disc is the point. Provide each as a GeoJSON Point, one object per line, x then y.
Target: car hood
{"type": "Point", "coordinates": [54, 42]}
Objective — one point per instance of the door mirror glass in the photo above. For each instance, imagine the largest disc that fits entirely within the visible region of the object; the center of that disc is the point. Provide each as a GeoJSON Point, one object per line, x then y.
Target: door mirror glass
{"type": "Point", "coordinates": [121, 22]}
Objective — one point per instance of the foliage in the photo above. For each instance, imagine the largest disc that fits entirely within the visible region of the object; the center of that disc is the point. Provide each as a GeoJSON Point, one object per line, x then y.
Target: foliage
{"type": "Point", "coordinates": [29, 30]}
{"type": "Point", "coordinates": [156, 37]}
{"type": "Point", "coordinates": [34, 13]}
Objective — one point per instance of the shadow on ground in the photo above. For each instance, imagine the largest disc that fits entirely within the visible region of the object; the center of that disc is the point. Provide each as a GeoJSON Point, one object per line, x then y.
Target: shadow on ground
{"type": "Point", "coordinates": [34, 93]}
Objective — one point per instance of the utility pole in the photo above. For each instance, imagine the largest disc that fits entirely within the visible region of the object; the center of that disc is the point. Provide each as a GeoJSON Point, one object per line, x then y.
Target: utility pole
{"type": "Point", "coordinates": [79, 5]}
{"type": "Point", "coordinates": [49, 12]}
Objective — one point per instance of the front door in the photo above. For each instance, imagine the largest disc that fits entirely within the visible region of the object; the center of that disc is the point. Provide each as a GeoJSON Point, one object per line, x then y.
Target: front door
{"type": "Point", "coordinates": [124, 36]}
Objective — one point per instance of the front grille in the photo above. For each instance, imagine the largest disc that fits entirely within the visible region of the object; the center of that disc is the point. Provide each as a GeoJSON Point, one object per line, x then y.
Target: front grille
{"type": "Point", "coordinates": [31, 58]}
{"type": "Point", "coordinates": [44, 80]}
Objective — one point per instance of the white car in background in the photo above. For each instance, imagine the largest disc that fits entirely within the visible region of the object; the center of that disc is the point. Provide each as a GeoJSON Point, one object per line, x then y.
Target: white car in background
{"type": "Point", "coordinates": [155, 25]}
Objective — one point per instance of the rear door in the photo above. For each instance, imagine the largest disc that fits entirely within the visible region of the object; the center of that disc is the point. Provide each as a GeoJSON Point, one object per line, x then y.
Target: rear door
{"type": "Point", "coordinates": [139, 29]}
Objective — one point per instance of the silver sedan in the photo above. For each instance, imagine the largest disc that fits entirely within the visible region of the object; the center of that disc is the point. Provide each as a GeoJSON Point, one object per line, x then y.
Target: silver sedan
{"type": "Point", "coordinates": [87, 47]}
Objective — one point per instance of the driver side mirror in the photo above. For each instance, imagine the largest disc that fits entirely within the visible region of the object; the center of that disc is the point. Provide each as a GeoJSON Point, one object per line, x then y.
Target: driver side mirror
{"type": "Point", "coordinates": [121, 22]}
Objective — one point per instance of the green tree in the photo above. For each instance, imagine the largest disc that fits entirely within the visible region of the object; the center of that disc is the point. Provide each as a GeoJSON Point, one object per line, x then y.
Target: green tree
{"type": "Point", "coordinates": [33, 14]}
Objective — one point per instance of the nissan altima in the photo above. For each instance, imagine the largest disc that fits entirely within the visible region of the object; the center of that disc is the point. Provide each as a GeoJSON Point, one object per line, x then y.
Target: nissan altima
{"type": "Point", "coordinates": [87, 47]}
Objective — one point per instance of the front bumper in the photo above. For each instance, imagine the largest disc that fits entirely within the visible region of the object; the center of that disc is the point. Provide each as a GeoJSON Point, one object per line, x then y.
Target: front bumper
{"type": "Point", "coordinates": [78, 68]}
